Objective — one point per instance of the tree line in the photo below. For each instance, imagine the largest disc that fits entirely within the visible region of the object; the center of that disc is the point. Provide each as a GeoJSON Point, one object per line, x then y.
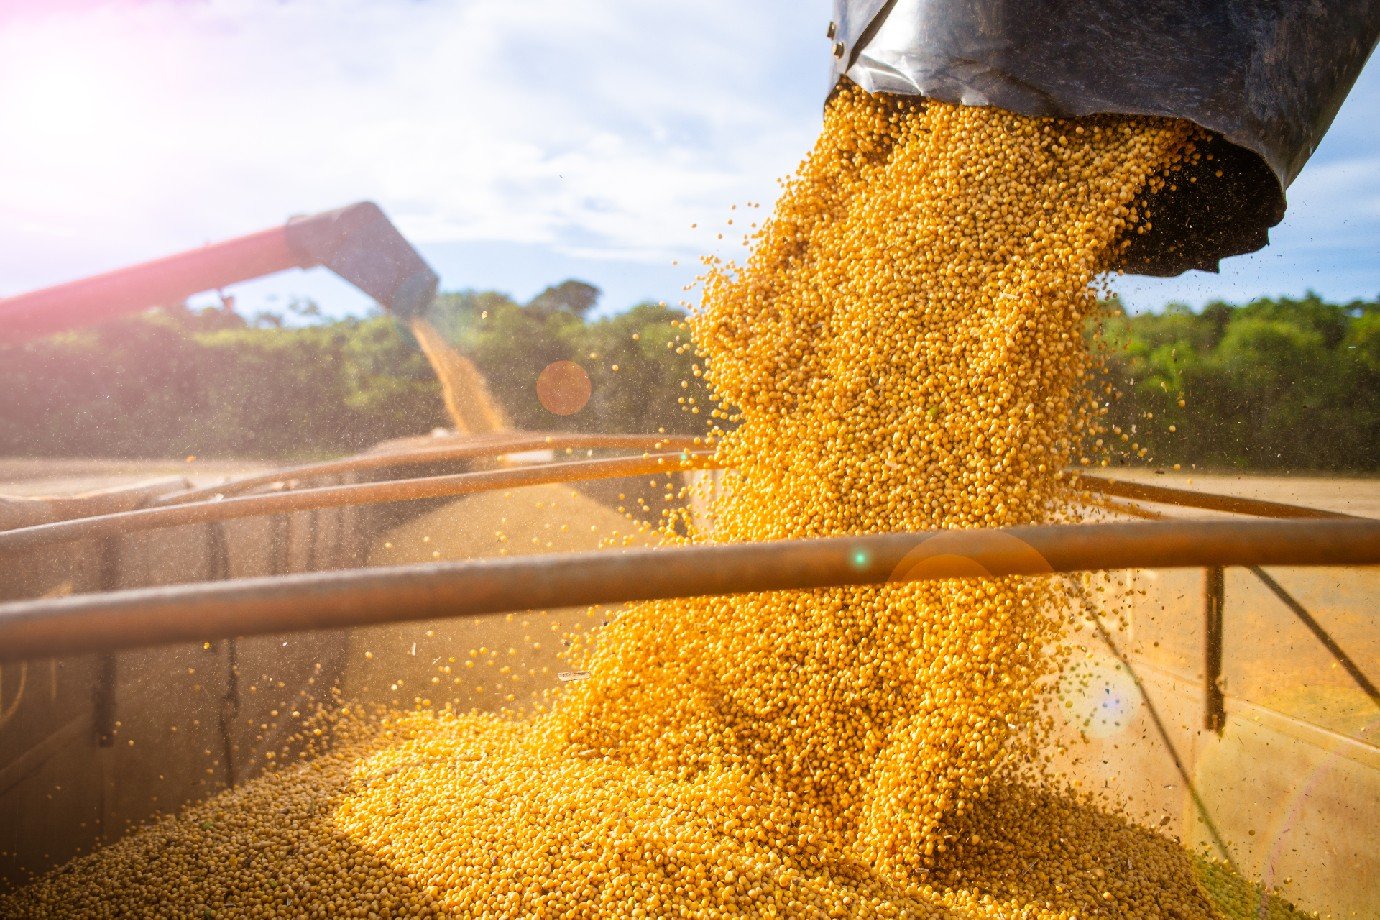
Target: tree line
{"type": "Point", "coordinates": [1271, 384]}
{"type": "Point", "coordinates": [213, 382]}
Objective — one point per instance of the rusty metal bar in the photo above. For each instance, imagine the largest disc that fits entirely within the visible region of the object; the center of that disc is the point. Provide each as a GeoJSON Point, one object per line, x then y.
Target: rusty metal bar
{"type": "Point", "coordinates": [1214, 604]}
{"type": "Point", "coordinates": [1208, 501]}
{"type": "Point", "coordinates": [1099, 485]}
{"type": "Point", "coordinates": [491, 448]}
{"type": "Point", "coordinates": [464, 451]}
{"type": "Point", "coordinates": [25, 538]}
{"type": "Point", "coordinates": [1319, 632]}
{"type": "Point", "coordinates": [180, 509]}
{"type": "Point", "coordinates": [1342, 658]}
{"type": "Point", "coordinates": [334, 600]}
{"type": "Point", "coordinates": [25, 511]}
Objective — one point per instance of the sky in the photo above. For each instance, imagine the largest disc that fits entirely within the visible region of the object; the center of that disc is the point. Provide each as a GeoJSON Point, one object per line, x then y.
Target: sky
{"type": "Point", "coordinates": [515, 142]}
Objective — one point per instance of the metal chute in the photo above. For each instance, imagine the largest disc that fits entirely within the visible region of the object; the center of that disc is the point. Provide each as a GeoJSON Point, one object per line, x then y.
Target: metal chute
{"type": "Point", "coordinates": [1265, 79]}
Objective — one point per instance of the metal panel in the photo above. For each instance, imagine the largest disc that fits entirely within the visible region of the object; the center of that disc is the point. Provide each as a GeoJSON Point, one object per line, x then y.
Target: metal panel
{"type": "Point", "coordinates": [1265, 78]}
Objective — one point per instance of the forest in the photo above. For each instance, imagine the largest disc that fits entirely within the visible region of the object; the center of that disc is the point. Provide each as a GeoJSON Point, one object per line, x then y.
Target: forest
{"type": "Point", "coordinates": [1273, 384]}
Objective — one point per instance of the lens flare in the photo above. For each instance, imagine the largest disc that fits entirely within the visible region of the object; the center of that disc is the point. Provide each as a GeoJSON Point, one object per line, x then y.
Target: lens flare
{"type": "Point", "coordinates": [563, 387]}
{"type": "Point", "coordinates": [1099, 698]}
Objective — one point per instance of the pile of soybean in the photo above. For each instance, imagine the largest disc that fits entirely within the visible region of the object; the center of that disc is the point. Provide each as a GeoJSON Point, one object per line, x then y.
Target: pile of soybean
{"type": "Point", "coordinates": [903, 350]}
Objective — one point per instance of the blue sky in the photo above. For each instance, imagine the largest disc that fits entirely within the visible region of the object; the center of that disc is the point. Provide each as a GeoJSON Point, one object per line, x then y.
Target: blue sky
{"type": "Point", "coordinates": [517, 142]}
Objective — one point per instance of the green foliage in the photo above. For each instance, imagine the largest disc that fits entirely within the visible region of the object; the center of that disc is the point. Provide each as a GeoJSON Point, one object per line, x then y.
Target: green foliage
{"type": "Point", "coordinates": [1272, 384]}
{"type": "Point", "coordinates": [174, 381]}
{"type": "Point", "coordinates": [511, 344]}
{"type": "Point", "coordinates": [572, 296]}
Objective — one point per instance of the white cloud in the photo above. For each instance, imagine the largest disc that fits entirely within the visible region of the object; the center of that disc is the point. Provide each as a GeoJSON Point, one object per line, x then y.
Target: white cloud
{"type": "Point", "coordinates": [1348, 189]}
{"type": "Point", "coordinates": [598, 126]}
{"type": "Point", "coordinates": [598, 130]}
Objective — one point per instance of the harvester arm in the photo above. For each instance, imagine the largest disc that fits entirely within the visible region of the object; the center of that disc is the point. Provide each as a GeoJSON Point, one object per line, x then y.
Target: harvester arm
{"type": "Point", "coordinates": [357, 242]}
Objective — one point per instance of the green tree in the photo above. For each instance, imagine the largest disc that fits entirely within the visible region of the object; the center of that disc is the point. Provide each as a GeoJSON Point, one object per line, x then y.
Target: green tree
{"type": "Point", "coordinates": [1277, 383]}
{"type": "Point", "coordinates": [1273, 384]}
{"type": "Point", "coordinates": [578, 297]}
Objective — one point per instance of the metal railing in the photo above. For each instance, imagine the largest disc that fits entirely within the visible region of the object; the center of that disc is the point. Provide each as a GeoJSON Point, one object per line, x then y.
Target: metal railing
{"type": "Point", "coordinates": [226, 609]}
{"type": "Point", "coordinates": [321, 600]}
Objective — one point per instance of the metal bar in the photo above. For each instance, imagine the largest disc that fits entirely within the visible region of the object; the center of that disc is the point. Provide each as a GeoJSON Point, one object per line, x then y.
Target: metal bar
{"type": "Point", "coordinates": [288, 532]}
{"type": "Point", "coordinates": [1167, 495]}
{"type": "Point", "coordinates": [313, 537]}
{"type": "Point", "coordinates": [218, 569]}
{"type": "Point", "coordinates": [25, 511]}
{"type": "Point", "coordinates": [1346, 661]}
{"type": "Point", "coordinates": [103, 701]}
{"type": "Point", "coordinates": [464, 451]}
{"type": "Point", "coordinates": [276, 541]}
{"type": "Point", "coordinates": [1214, 603]}
{"type": "Point", "coordinates": [332, 600]}
{"type": "Point", "coordinates": [217, 553]}
{"type": "Point", "coordinates": [407, 489]}
{"type": "Point", "coordinates": [103, 693]}
{"type": "Point", "coordinates": [1130, 509]}
{"type": "Point", "coordinates": [1098, 485]}
{"type": "Point", "coordinates": [25, 538]}
{"type": "Point", "coordinates": [1338, 653]}
{"type": "Point", "coordinates": [229, 710]}
{"type": "Point", "coordinates": [168, 280]}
